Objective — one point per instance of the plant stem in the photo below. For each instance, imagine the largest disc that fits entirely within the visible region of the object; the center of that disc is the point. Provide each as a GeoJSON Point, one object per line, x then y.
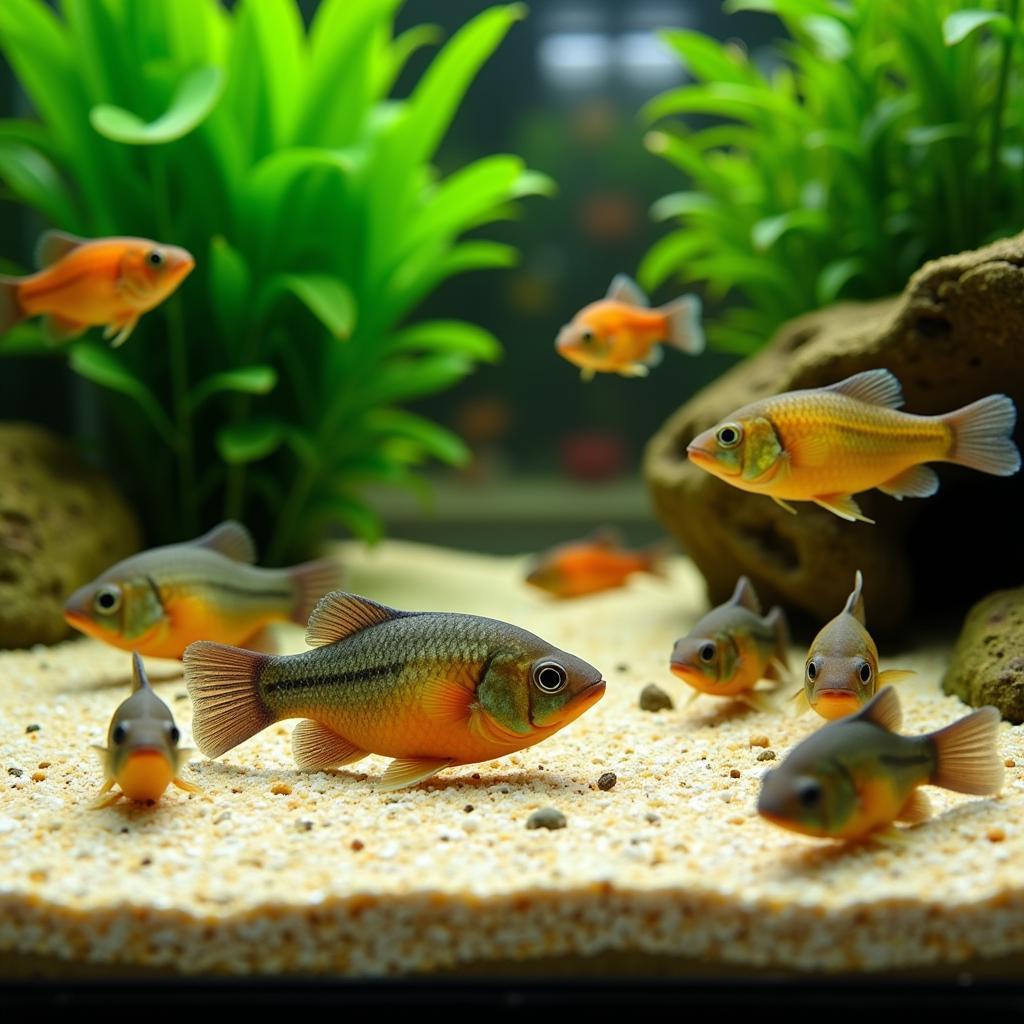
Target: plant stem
{"type": "Point", "coordinates": [281, 543]}
{"type": "Point", "coordinates": [1000, 101]}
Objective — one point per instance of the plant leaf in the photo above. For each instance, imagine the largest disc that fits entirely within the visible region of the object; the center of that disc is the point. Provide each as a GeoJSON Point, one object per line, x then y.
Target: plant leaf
{"type": "Point", "coordinates": [458, 336]}
{"type": "Point", "coordinates": [328, 298]}
{"type": "Point", "coordinates": [352, 513]}
{"type": "Point", "coordinates": [35, 181]}
{"type": "Point", "coordinates": [433, 439]}
{"type": "Point", "coordinates": [245, 380]}
{"type": "Point", "coordinates": [242, 443]}
{"type": "Point", "coordinates": [229, 286]}
{"type": "Point", "coordinates": [765, 233]}
{"type": "Point", "coordinates": [960, 24]}
{"type": "Point", "coordinates": [195, 98]}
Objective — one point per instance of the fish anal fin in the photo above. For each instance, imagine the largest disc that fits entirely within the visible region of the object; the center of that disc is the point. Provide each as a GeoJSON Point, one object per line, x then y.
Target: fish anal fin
{"type": "Point", "coordinates": [744, 596]}
{"type": "Point", "coordinates": [894, 675]}
{"type": "Point", "coordinates": [55, 245]}
{"type": "Point", "coordinates": [784, 504]}
{"type": "Point", "coordinates": [123, 329]}
{"type": "Point", "coordinates": [188, 787]}
{"type": "Point", "coordinates": [407, 771]}
{"type": "Point", "coordinates": [918, 808]}
{"type": "Point", "coordinates": [230, 539]}
{"type": "Point", "coordinates": [844, 506]}
{"type": "Point", "coordinates": [916, 482]}
{"type": "Point", "coordinates": [587, 373]}
{"type": "Point", "coordinates": [883, 709]}
{"type": "Point", "coordinates": [315, 747]}
{"type": "Point", "coordinates": [876, 387]}
{"type": "Point", "coordinates": [624, 289]}
{"type": "Point", "coordinates": [890, 836]}
{"type": "Point", "coordinates": [338, 615]}
{"type": "Point", "coordinates": [59, 328]}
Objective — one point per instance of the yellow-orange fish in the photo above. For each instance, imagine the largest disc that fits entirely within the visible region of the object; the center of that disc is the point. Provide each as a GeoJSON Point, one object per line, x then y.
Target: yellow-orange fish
{"type": "Point", "coordinates": [90, 282]}
{"type": "Point", "coordinates": [857, 775]}
{"type": "Point", "coordinates": [622, 334]}
{"type": "Point", "coordinates": [827, 444]}
{"type": "Point", "coordinates": [142, 757]}
{"type": "Point", "coordinates": [841, 672]}
{"type": "Point", "coordinates": [589, 566]}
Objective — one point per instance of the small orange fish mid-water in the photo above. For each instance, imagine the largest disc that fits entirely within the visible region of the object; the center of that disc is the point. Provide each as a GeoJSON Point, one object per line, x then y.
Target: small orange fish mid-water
{"type": "Point", "coordinates": [622, 334]}
{"type": "Point", "coordinates": [160, 601]}
{"type": "Point", "coordinates": [92, 282]}
{"type": "Point", "coordinates": [588, 566]}
{"type": "Point", "coordinates": [827, 444]}
{"type": "Point", "coordinates": [841, 672]}
{"type": "Point", "coordinates": [142, 757]}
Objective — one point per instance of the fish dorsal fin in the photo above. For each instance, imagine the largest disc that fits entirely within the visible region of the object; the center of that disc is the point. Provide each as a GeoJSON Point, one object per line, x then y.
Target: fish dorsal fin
{"type": "Point", "coordinates": [339, 615]}
{"type": "Point", "coordinates": [140, 680]}
{"type": "Point", "coordinates": [624, 289]}
{"type": "Point", "coordinates": [883, 709]}
{"type": "Point", "coordinates": [230, 539]}
{"type": "Point", "coordinates": [855, 602]}
{"type": "Point", "coordinates": [55, 245]}
{"type": "Point", "coordinates": [606, 537]}
{"type": "Point", "coordinates": [876, 387]}
{"type": "Point", "coordinates": [744, 596]}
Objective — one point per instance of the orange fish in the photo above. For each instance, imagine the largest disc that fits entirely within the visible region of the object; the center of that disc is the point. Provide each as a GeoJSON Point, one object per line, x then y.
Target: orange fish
{"type": "Point", "coordinates": [588, 566]}
{"type": "Point", "coordinates": [827, 444]}
{"type": "Point", "coordinates": [85, 283]}
{"type": "Point", "coordinates": [622, 334]}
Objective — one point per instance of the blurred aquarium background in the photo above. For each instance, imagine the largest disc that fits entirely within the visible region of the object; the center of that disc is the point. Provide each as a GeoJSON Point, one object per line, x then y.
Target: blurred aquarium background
{"type": "Point", "coordinates": [772, 155]}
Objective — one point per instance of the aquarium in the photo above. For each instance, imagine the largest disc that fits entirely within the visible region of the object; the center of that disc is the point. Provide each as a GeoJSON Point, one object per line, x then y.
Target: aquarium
{"type": "Point", "coordinates": [504, 497]}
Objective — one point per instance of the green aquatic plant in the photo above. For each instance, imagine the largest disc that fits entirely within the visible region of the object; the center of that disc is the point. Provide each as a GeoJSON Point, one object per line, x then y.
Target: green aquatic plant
{"type": "Point", "coordinates": [885, 132]}
{"type": "Point", "coordinates": [270, 388]}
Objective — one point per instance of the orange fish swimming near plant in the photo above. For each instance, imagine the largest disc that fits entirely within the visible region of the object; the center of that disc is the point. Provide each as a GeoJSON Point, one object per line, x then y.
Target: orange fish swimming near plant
{"type": "Point", "coordinates": [160, 601]}
{"type": "Point", "coordinates": [827, 444]}
{"type": "Point", "coordinates": [428, 689]}
{"type": "Point", "coordinates": [596, 563]}
{"type": "Point", "coordinates": [107, 282]}
{"type": "Point", "coordinates": [622, 334]}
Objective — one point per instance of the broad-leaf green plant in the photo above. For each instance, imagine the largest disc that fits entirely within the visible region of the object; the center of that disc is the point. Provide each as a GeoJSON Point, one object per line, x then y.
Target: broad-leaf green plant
{"type": "Point", "coordinates": [883, 133]}
{"type": "Point", "coordinates": [270, 387]}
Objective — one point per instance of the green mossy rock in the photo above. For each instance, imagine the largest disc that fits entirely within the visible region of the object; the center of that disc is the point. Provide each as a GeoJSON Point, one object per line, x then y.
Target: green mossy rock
{"type": "Point", "coordinates": [987, 666]}
{"type": "Point", "coordinates": [61, 524]}
{"type": "Point", "coordinates": [954, 335]}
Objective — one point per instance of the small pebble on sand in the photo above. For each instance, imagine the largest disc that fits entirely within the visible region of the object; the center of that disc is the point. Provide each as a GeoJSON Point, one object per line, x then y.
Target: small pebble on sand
{"type": "Point", "coordinates": [607, 781]}
{"type": "Point", "coordinates": [654, 698]}
{"type": "Point", "coordinates": [766, 755]}
{"type": "Point", "coordinates": [546, 817]}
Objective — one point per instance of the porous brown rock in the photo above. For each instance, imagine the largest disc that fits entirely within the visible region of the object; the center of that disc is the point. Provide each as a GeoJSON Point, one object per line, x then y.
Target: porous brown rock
{"type": "Point", "coordinates": [987, 664]}
{"type": "Point", "coordinates": [62, 523]}
{"type": "Point", "coordinates": [956, 333]}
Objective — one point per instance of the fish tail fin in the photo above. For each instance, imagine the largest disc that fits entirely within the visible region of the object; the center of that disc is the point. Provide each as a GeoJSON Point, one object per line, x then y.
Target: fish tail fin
{"type": "Point", "coordinates": [684, 330]}
{"type": "Point", "coordinates": [982, 436]}
{"type": "Point", "coordinates": [776, 620]}
{"type": "Point", "coordinates": [227, 703]}
{"type": "Point", "coordinates": [312, 580]}
{"type": "Point", "coordinates": [966, 755]}
{"type": "Point", "coordinates": [11, 312]}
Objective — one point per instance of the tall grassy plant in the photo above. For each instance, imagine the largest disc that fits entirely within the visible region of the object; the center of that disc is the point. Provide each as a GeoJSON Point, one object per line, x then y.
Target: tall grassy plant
{"type": "Point", "coordinates": [888, 132]}
{"type": "Point", "coordinates": [270, 388]}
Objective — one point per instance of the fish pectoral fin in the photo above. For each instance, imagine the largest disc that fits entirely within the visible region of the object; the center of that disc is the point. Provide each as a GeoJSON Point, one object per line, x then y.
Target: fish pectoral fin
{"type": "Point", "coordinates": [587, 373]}
{"type": "Point", "coordinates": [758, 700]}
{"type": "Point", "coordinates": [894, 675]}
{"type": "Point", "coordinates": [807, 450]}
{"type": "Point", "coordinates": [126, 328]}
{"type": "Point", "coordinates": [799, 704]}
{"type": "Point", "coordinates": [447, 699]}
{"type": "Point", "coordinates": [315, 747]}
{"type": "Point", "coordinates": [104, 798]}
{"type": "Point", "coordinates": [634, 370]}
{"type": "Point", "coordinates": [918, 808]}
{"type": "Point", "coordinates": [189, 787]}
{"type": "Point", "coordinates": [784, 504]}
{"type": "Point", "coordinates": [916, 482]}
{"type": "Point", "coordinates": [407, 771]}
{"type": "Point", "coordinates": [60, 328]}
{"type": "Point", "coordinates": [844, 506]}
{"type": "Point", "coordinates": [890, 836]}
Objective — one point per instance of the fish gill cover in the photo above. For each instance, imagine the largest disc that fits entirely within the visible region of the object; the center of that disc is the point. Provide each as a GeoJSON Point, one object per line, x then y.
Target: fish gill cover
{"type": "Point", "coordinates": [270, 387]}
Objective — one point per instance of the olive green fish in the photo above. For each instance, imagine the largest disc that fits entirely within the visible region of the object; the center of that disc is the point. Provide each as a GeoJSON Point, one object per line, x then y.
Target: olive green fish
{"type": "Point", "coordinates": [841, 672]}
{"type": "Point", "coordinates": [160, 601]}
{"type": "Point", "coordinates": [142, 756]}
{"type": "Point", "coordinates": [856, 775]}
{"type": "Point", "coordinates": [429, 689]}
{"type": "Point", "coordinates": [733, 647]}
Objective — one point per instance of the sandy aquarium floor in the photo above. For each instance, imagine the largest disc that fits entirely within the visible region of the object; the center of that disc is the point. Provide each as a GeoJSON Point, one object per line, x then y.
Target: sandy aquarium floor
{"type": "Point", "coordinates": [271, 869]}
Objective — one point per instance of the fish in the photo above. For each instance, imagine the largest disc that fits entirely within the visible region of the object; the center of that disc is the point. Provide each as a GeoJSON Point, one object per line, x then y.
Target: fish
{"type": "Point", "coordinates": [142, 757]}
{"type": "Point", "coordinates": [622, 334]}
{"type": "Point", "coordinates": [589, 566]}
{"type": "Point", "coordinates": [90, 282]}
{"type": "Point", "coordinates": [428, 689]}
{"type": "Point", "coordinates": [159, 601]}
{"type": "Point", "coordinates": [841, 671]}
{"type": "Point", "coordinates": [733, 647]}
{"type": "Point", "coordinates": [857, 775]}
{"type": "Point", "coordinates": [827, 444]}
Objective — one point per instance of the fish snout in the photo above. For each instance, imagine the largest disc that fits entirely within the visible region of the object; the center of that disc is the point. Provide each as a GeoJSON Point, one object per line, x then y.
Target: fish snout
{"type": "Point", "coordinates": [566, 340]}
{"type": "Point", "coordinates": [77, 608]}
{"type": "Point", "coordinates": [835, 702]}
{"type": "Point", "coordinates": [180, 261]}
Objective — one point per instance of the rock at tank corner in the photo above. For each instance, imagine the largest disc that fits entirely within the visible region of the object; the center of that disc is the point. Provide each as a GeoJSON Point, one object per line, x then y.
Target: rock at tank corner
{"type": "Point", "coordinates": [62, 523]}
{"type": "Point", "coordinates": [955, 334]}
{"type": "Point", "coordinates": [987, 665]}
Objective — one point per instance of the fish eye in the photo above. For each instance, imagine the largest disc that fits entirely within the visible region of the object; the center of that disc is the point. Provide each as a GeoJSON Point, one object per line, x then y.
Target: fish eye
{"type": "Point", "coordinates": [730, 435]}
{"type": "Point", "coordinates": [586, 336]}
{"type": "Point", "coordinates": [155, 258]}
{"type": "Point", "coordinates": [865, 672]}
{"type": "Point", "coordinates": [175, 733]}
{"type": "Point", "coordinates": [809, 793]}
{"type": "Point", "coordinates": [812, 671]}
{"type": "Point", "coordinates": [550, 677]}
{"type": "Point", "coordinates": [707, 653]}
{"type": "Point", "coordinates": [120, 734]}
{"type": "Point", "coordinates": [107, 600]}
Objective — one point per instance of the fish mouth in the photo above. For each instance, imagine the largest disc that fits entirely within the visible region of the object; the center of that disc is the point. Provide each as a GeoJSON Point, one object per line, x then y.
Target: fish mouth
{"type": "Point", "coordinates": [835, 703]}
{"type": "Point", "coordinates": [145, 774]}
{"type": "Point", "coordinates": [591, 695]}
{"type": "Point", "coordinates": [687, 673]}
